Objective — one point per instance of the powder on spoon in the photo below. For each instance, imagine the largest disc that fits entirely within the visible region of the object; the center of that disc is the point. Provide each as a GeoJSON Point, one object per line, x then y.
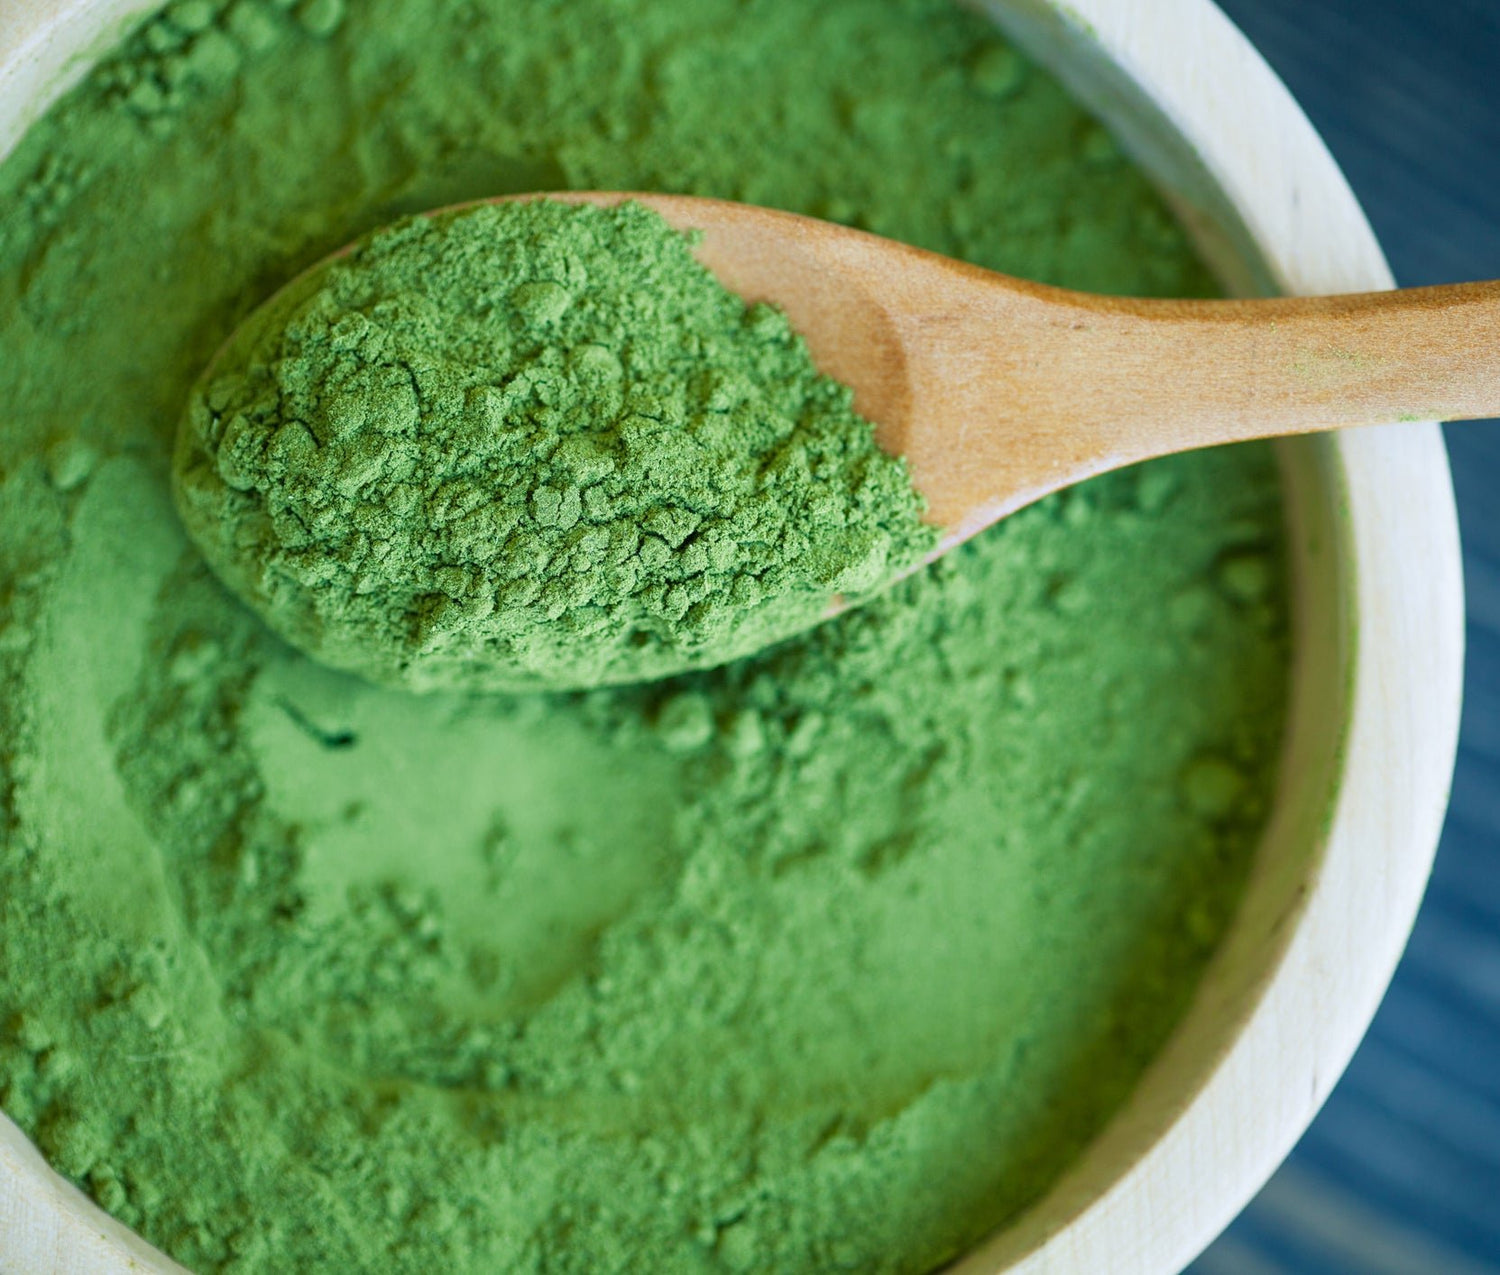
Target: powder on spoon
{"type": "Point", "coordinates": [830, 959]}
{"type": "Point", "coordinates": [534, 445]}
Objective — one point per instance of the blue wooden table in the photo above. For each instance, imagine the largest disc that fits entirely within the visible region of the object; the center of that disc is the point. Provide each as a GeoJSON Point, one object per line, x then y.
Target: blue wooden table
{"type": "Point", "coordinates": [1400, 1174]}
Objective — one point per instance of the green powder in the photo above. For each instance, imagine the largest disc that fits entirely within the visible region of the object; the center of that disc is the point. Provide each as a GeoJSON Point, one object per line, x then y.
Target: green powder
{"type": "Point", "coordinates": [826, 960]}
{"type": "Point", "coordinates": [534, 445]}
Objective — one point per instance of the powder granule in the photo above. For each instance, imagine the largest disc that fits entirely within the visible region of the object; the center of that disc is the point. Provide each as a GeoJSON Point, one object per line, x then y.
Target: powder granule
{"type": "Point", "coordinates": [534, 444]}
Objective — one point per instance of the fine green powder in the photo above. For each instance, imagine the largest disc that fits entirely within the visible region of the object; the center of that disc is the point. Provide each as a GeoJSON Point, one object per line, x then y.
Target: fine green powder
{"type": "Point", "coordinates": [534, 445]}
{"type": "Point", "coordinates": [829, 959]}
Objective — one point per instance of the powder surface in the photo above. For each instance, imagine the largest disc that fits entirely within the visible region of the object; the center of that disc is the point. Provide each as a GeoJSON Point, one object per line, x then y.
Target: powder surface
{"type": "Point", "coordinates": [825, 960]}
{"type": "Point", "coordinates": [534, 445]}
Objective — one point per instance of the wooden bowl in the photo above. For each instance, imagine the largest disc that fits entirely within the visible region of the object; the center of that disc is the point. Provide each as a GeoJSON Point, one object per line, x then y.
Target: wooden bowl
{"type": "Point", "coordinates": [1371, 741]}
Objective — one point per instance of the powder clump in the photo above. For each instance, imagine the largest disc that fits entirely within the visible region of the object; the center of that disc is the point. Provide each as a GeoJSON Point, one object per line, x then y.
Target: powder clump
{"type": "Point", "coordinates": [534, 444]}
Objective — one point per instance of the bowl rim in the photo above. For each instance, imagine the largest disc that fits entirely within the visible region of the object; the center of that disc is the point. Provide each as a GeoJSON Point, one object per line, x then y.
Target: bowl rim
{"type": "Point", "coordinates": [1272, 211]}
{"type": "Point", "coordinates": [1298, 228]}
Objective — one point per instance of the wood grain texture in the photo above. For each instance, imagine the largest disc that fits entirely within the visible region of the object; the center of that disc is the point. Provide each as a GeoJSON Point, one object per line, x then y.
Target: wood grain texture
{"type": "Point", "coordinates": [1370, 747]}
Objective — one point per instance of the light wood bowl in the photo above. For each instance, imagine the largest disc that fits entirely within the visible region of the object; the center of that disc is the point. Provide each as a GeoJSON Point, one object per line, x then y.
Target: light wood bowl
{"type": "Point", "coordinates": [1370, 746]}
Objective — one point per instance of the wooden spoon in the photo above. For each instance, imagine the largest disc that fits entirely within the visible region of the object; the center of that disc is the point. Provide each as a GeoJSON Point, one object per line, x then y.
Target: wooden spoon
{"type": "Point", "coordinates": [998, 391]}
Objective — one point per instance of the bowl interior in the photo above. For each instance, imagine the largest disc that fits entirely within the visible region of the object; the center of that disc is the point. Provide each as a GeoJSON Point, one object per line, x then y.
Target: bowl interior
{"type": "Point", "coordinates": [1162, 1179]}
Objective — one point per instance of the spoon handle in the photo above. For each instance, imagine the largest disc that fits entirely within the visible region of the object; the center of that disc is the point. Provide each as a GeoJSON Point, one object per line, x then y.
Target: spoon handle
{"type": "Point", "coordinates": [1025, 388]}
{"type": "Point", "coordinates": [1216, 371]}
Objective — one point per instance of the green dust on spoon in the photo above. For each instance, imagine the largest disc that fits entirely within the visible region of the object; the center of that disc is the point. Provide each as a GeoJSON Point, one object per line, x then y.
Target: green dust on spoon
{"type": "Point", "coordinates": [533, 445]}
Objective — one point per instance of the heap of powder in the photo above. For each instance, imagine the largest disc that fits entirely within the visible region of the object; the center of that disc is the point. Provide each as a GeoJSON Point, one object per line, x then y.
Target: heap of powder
{"type": "Point", "coordinates": [534, 445]}
{"type": "Point", "coordinates": [825, 960]}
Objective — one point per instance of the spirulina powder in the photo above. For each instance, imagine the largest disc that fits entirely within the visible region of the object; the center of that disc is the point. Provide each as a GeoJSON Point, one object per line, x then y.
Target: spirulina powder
{"type": "Point", "coordinates": [532, 445]}
{"type": "Point", "coordinates": [830, 959]}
